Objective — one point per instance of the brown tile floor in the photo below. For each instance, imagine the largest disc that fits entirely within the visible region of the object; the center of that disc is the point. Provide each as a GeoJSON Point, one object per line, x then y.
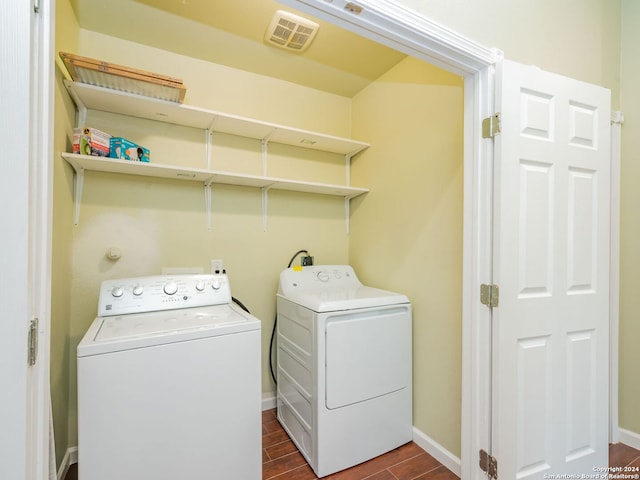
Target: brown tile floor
{"type": "Point", "coordinates": [621, 455]}
{"type": "Point", "coordinates": [281, 460]}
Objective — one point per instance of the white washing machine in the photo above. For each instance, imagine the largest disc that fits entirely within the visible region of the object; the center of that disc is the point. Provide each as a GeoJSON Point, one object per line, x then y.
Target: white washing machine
{"type": "Point", "coordinates": [169, 383]}
{"type": "Point", "coordinates": [344, 367]}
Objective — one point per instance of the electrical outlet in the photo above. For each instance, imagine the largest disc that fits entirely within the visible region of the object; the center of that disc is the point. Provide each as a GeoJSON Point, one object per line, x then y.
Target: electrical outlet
{"type": "Point", "coordinates": [217, 266]}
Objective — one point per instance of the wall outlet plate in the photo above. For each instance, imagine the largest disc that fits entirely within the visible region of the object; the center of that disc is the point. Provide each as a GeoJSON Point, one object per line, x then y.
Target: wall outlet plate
{"type": "Point", "coordinates": [217, 266]}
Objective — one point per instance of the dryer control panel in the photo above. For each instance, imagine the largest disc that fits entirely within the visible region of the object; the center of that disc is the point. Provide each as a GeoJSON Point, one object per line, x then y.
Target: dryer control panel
{"type": "Point", "coordinates": [317, 277]}
{"type": "Point", "coordinates": [162, 292]}
{"type": "Point", "coordinates": [330, 288]}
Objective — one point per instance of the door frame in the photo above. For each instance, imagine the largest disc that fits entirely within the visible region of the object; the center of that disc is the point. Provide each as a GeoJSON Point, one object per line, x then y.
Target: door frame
{"type": "Point", "coordinates": [26, 70]}
{"type": "Point", "coordinates": [397, 27]}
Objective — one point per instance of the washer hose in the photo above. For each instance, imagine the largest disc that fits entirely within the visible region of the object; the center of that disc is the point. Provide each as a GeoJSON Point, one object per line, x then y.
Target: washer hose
{"type": "Point", "coordinates": [275, 323]}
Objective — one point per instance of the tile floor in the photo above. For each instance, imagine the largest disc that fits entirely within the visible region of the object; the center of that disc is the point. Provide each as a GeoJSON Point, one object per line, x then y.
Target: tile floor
{"type": "Point", "coordinates": [621, 455]}
{"type": "Point", "coordinates": [281, 460]}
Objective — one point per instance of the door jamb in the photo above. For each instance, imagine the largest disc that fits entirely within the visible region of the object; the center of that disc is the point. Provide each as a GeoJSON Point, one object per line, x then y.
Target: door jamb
{"type": "Point", "coordinates": [42, 456]}
{"type": "Point", "coordinates": [617, 120]}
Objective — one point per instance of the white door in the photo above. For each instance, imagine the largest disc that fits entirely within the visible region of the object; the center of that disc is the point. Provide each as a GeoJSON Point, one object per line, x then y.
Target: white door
{"type": "Point", "coordinates": [550, 339]}
{"type": "Point", "coordinates": [26, 74]}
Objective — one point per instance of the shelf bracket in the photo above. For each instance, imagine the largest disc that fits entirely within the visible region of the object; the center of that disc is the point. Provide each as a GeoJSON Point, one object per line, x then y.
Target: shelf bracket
{"type": "Point", "coordinates": [265, 201]}
{"type": "Point", "coordinates": [264, 143]}
{"type": "Point", "coordinates": [347, 161]}
{"type": "Point", "coordinates": [81, 108]}
{"type": "Point", "coordinates": [347, 199]}
{"type": "Point", "coordinates": [82, 116]}
{"type": "Point", "coordinates": [78, 186]}
{"type": "Point", "coordinates": [208, 189]}
{"type": "Point", "coordinates": [347, 212]}
{"type": "Point", "coordinates": [208, 200]}
{"type": "Point", "coordinates": [208, 144]}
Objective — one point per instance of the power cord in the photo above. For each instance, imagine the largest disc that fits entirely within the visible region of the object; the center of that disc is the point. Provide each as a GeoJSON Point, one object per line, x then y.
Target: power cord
{"type": "Point", "coordinates": [295, 255]}
{"type": "Point", "coordinates": [240, 304]}
{"type": "Point", "coordinates": [275, 322]}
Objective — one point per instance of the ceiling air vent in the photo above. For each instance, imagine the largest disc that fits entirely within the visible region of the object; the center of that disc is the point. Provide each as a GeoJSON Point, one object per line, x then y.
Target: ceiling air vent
{"type": "Point", "coordinates": [290, 31]}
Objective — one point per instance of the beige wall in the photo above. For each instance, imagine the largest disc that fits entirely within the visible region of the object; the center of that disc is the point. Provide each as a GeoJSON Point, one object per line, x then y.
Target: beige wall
{"type": "Point", "coordinates": [630, 221]}
{"type": "Point", "coordinates": [406, 233]}
{"type": "Point", "coordinates": [576, 38]}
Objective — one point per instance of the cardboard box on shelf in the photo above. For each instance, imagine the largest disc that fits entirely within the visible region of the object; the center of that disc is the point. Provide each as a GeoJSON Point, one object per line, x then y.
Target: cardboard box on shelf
{"type": "Point", "coordinates": [91, 141]}
{"type": "Point", "coordinates": [128, 150]}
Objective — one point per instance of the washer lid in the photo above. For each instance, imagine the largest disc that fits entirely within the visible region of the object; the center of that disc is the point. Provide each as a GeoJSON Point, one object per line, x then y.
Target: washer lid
{"type": "Point", "coordinates": [126, 332]}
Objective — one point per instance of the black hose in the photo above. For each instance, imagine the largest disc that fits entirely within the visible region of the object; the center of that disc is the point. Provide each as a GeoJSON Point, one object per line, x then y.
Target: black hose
{"type": "Point", "coordinates": [275, 323]}
{"type": "Point", "coordinates": [273, 334]}
{"type": "Point", "coordinates": [240, 304]}
{"type": "Point", "coordinates": [295, 255]}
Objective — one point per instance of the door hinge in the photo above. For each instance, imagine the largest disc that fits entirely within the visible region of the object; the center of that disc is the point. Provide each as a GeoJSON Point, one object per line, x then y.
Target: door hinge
{"type": "Point", "coordinates": [32, 342]}
{"type": "Point", "coordinates": [353, 8]}
{"type": "Point", "coordinates": [489, 465]}
{"type": "Point", "coordinates": [36, 6]}
{"type": "Point", "coordinates": [491, 126]}
{"type": "Point", "coordinates": [489, 295]}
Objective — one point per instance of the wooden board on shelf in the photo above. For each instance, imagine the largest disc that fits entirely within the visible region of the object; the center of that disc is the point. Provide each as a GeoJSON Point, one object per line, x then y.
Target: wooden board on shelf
{"type": "Point", "coordinates": [121, 78]}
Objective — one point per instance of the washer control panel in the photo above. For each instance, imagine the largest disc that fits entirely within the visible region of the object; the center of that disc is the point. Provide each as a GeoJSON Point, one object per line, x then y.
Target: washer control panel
{"type": "Point", "coordinates": [162, 292]}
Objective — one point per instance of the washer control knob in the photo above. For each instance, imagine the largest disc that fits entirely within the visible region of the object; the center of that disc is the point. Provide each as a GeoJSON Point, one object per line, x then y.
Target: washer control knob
{"type": "Point", "coordinates": [137, 290]}
{"type": "Point", "coordinates": [200, 285]}
{"type": "Point", "coordinates": [117, 292]}
{"type": "Point", "coordinates": [323, 276]}
{"type": "Point", "coordinates": [170, 288]}
{"type": "Point", "coordinates": [215, 284]}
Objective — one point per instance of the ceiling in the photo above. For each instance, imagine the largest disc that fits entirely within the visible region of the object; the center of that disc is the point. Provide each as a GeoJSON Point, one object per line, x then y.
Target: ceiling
{"type": "Point", "coordinates": [231, 32]}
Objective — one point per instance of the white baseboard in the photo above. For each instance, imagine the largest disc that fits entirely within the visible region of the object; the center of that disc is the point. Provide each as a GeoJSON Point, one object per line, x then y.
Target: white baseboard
{"type": "Point", "coordinates": [268, 401]}
{"type": "Point", "coordinates": [629, 438]}
{"type": "Point", "coordinates": [433, 448]}
{"type": "Point", "coordinates": [70, 457]}
{"type": "Point", "coordinates": [437, 451]}
{"type": "Point", "coordinates": [429, 445]}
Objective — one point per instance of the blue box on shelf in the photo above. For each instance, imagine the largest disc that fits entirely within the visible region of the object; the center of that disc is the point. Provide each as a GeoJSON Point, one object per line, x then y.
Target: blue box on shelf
{"type": "Point", "coordinates": [127, 150]}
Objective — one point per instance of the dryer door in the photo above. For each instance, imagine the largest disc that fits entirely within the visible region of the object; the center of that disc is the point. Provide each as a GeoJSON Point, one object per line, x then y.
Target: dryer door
{"type": "Point", "coordinates": [367, 354]}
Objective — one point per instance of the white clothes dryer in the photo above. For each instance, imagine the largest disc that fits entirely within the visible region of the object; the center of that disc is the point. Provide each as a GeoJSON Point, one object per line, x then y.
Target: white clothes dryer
{"type": "Point", "coordinates": [169, 383]}
{"type": "Point", "coordinates": [344, 367]}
